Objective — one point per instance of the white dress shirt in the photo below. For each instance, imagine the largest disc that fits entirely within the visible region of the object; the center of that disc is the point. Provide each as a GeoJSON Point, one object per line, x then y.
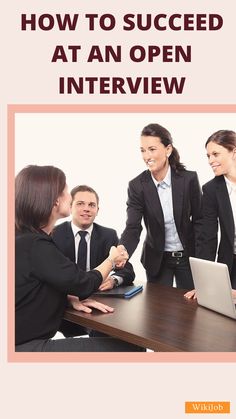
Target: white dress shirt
{"type": "Point", "coordinates": [164, 189]}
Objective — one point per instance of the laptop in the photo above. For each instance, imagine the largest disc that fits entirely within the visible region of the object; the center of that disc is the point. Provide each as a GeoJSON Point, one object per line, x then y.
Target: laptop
{"type": "Point", "coordinates": [213, 286]}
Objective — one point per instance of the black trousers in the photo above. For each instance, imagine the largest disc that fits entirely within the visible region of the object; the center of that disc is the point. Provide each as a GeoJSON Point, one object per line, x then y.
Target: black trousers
{"type": "Point", "coordinates": [99, 344]}
{"type": "Point", "coordinates": [171, 267]}
{"type": "Point", "coordinates": [69, 329]}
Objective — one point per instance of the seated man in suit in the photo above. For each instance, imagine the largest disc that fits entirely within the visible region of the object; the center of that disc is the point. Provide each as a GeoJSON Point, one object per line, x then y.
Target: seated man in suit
{"type": "Point", "coordinates": [88, 243]}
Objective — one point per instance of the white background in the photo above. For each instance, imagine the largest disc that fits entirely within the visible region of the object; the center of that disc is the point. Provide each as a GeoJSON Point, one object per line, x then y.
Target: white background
{"type": "Point", "coordinates": [103, 151]}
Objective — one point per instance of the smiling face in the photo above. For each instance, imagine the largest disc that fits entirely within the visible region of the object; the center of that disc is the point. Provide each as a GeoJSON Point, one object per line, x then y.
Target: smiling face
{"type": "Point", "coordinates": [155, 155]}
{"type": "Point", "coordinates": [84, 209]}
{"type": "Point", "coordinates": [221, 160]}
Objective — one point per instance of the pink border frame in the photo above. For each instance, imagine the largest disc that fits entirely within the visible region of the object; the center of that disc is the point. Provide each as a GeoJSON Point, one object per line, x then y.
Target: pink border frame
{"type": "Point", "coordinates": [92, 357]}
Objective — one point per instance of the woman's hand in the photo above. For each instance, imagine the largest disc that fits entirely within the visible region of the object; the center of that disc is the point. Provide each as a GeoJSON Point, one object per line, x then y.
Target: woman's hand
{"type": "Point", "coordinates": [107, 284]}
{"type": "Point", "coordinates": [87, 305]}
{"type": "Point", "coordinates": [191, 294]}
{"type": "Point", "coordinates": [119, 255]}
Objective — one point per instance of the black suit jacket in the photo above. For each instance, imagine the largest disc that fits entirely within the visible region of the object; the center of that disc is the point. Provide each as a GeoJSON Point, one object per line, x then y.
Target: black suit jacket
{"type": "Point", "coordinates": [217, 211]}
{"type": "Point", "coordinates": [102, 238]}
{"type": "Point", "coordinates": [44, 277]}
{"type": "Point", "coordinates": [143, 202]}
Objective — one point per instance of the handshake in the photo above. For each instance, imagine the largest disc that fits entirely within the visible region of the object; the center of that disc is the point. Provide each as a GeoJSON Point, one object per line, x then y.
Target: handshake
{"type": "Point", "coordinates": [118, 256]}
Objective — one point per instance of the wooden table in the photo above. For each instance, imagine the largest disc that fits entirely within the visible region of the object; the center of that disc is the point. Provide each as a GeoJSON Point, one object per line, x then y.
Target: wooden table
{"type": "Point", "coordinates": [161, 319]}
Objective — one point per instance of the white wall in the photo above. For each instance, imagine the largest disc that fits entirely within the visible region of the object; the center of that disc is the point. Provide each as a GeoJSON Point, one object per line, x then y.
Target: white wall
{"type": "Point", "coordinates": [102, 150]}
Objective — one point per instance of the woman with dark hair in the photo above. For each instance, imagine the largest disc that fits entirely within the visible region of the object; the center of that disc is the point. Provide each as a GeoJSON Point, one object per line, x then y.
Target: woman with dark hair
{"type": "Point", "coordinates": [44, 276]}
{"type": "Point", "coordinates": [168, 198]}
{"type": "Point", "coordinates": [219, 203]}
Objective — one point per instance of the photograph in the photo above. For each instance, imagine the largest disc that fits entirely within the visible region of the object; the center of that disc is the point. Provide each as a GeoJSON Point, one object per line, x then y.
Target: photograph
{"type": "Point", "coordinates": [110, 200]}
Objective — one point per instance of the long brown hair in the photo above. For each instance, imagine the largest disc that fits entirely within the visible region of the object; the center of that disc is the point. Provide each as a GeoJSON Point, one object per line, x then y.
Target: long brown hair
{"type": "Point", "coordinates": [36, 190]}
{"type": "Point", "coordinates": [156, 130]}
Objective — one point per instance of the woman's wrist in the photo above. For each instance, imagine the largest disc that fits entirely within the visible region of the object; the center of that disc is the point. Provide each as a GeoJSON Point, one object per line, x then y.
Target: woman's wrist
{"type": "Point", "coordinates": [112, 262]}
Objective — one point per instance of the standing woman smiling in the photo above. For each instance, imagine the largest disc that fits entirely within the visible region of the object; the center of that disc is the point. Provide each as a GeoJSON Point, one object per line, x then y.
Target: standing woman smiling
{"type": "Point", "coordinates": [168, 198]}
{"type": "Point", "coordinates": [219, 202]}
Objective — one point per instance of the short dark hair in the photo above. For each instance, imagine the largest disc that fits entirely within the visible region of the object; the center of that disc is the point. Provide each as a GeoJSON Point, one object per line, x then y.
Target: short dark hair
{"type": "Point", "coordinates": [36, 191]}
{"type": "Point", "coordinates": [225, 138]}
{"type": "Point", "coordinates": [83, 188]}
{"type": "Point", "coordinates": [156, 130]}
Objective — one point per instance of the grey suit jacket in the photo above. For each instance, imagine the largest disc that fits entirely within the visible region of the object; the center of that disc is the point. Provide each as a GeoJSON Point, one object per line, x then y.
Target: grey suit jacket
{"type": "Point", "coordinates": [144, 203]}
{"type": "Point", "coordinates": [102, 239]}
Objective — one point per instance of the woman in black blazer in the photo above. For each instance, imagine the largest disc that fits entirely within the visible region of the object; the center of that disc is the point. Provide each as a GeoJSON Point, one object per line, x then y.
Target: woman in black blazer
{"type": "Point", "coordinates": [168, 198]}
{"type": "Point", "coordinates": [44, 276]}
{"type": "Point", "coordinates": [219, 203]}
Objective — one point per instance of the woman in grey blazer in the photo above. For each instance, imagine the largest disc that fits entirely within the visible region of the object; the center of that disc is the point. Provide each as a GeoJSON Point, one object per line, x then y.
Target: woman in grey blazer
{"type": "Point", "coordinates": [168, 198]}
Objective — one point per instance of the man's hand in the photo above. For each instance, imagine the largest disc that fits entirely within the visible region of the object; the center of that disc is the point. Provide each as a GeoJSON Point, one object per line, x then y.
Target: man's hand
{"type": "Point", "coordinates": [119, 255]}
{"type": "Point", "coordinates": [107, 284]}
{"type": "Point", "coordinates": [87, 305]}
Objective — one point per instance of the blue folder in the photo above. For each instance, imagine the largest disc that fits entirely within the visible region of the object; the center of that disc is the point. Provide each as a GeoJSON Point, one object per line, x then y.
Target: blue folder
{"type": "Point", "coordinates": [126, 291]}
